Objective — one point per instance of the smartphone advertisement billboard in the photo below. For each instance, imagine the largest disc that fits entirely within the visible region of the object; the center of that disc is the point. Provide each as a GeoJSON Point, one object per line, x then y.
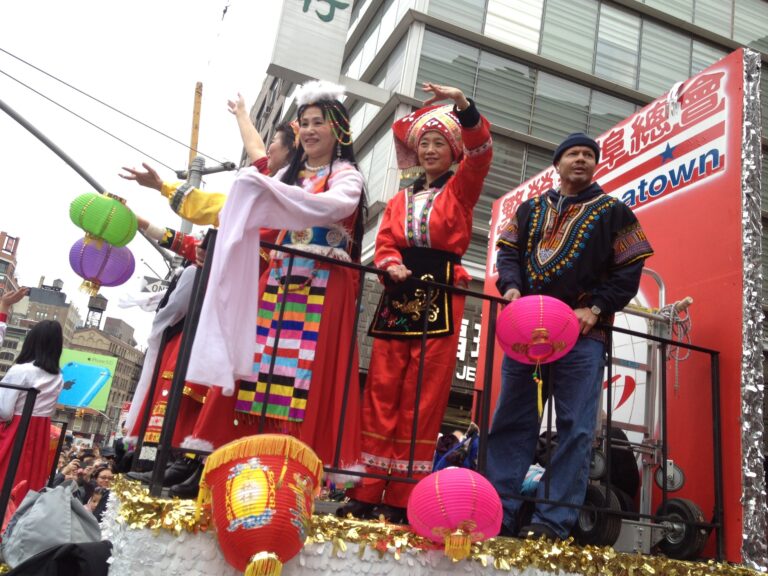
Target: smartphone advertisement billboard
{"type": "Point", "coordinates": [87, 379]}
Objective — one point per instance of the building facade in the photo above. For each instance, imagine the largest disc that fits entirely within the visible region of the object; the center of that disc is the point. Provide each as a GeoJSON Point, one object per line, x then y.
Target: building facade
{"type": "Point", "coordinates": [129, 363]}
{"type": "Point", "coordinates": [8, 247]}
{"type": "Point", "coordinates": [537, 69]}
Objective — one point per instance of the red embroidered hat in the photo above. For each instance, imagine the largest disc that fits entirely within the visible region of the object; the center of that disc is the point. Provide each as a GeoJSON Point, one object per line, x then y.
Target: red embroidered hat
{"type": "Point", "coordinates": [409, 130]}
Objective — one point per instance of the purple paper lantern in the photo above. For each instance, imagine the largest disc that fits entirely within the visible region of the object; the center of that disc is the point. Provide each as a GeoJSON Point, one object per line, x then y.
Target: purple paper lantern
{"type": "Point", "coordinates": [100, 264]}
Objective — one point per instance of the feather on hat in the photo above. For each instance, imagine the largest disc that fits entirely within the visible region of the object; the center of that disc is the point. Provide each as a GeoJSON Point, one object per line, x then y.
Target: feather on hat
{"type": "Point", "coordinates": [316, 90]}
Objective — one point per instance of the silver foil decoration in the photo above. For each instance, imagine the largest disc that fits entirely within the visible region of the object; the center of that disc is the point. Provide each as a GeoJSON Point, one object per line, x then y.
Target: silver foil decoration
{"type": "Point", "coordinates": [755, 523]}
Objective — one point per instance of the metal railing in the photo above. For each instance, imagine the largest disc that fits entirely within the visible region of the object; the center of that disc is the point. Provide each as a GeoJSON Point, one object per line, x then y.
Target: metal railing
{"type": "Point", "coordinates": [165, 449]}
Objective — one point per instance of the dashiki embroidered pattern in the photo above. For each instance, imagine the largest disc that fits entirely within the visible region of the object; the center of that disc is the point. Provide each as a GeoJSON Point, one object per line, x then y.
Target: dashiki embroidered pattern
{"type": "Point", "coordinates": [560, 237]}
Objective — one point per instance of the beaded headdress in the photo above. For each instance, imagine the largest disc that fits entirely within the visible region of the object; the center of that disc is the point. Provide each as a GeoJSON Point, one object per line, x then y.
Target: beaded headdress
{"type": "Point", "coordinates": [409, 130]}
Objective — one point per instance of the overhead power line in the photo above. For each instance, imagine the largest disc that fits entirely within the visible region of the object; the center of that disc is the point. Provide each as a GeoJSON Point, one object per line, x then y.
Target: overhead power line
{"type": "Point", "coordinates": [108, 133]}
{"type": "Point", "coordinates": [128, 116]}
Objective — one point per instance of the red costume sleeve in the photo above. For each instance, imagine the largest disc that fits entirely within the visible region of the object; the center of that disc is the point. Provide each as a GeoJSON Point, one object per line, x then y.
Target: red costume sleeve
{"type": "Point", "coordinates": [473, 168]}
{"type": "Point", "coordinates": [261, 165]}
{"type": "Point", "coordinates": [182, 244]}
{"type": "Point", "coordinates": [387, 251]}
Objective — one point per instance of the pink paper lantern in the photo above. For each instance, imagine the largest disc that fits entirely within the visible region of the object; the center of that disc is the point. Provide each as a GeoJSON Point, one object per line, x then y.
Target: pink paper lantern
{"type": "Point", "coordinates": [537, 329]}
{"type": "Point", "coordinates": [100, 264]}
{"type": "Point", "coordinates": [455, 507]}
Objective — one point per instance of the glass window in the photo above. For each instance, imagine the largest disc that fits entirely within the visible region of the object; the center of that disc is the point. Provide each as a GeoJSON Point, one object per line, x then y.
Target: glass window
{"type": "Point", "coordinates": [379, 161]}
{"type": "Point", "coordinates": [388, 23]}
{"type": "Point", "coordinates": [666, 58]}
{"type": "Point", "coordinates": [506, 170]}
{"type": "Point", "coordinates": [703, 56]}
{"type": "Point", "coordinates": [617, 41]}
{"type": "Point", "coordinates": [369, 41]}
{"type": "Point", "coordinates": [714, 15]}
{"type": "Point", "coordinates": [356, 9]}
{"type": "Point", "coordinates": [561, 107]}
{"type": "Point", "coordinates": [682, 9]}
{"type": "Point", "coordinates": [606, 111]}
{"type": "Point", "coordinates": [394, 65]}
{"type": "Point", "coordinates": [515, 22]}
{"type": "Point", "coordinates": [568, 32]}
{"type": "Point", "coordinates": [536, 160]}
{"type": "Point", "coordinates": [403, 6]}
{"type": "Point", "coordinates": [505, 91]}
{"type": "Point", "coordinates": [465, 13]}
{"type": "Point", "coordinates": [750, 23]}
{"type": "Point", "coordinates": [351, 67]}
{"type": "Point", "coordinates": [446, 61]}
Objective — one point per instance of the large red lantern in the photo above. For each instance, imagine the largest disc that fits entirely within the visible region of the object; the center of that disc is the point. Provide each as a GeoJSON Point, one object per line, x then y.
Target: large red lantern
{"type": "Point", "coordinates": [260, 492]}
{"type": "Point", "coordinates": [455, 507]}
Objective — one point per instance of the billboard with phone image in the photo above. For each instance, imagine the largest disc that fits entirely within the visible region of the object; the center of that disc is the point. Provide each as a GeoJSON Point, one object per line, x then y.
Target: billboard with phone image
{"type": "Point", "coordinates": [87, 379]}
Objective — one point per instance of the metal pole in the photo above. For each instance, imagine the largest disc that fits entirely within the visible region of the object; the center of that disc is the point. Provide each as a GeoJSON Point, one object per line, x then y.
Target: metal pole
{"type": "Point", "coordinates": [148, 401]}
{"type": "Point", "coordinates": [53, 148]}
{"type": "Point", "coordinates": [196, 169]}
{"type": "Point", "coordinates": [180, 373]}
{"type": "Point", "coordinates": [195, 122]}
{"type": "Point", "coordinates": [485, 411]}
{"type": "Point", "coordinates": [419, 381]}
{"type": "Point", "coordinates": [286, 280]}
{"type": "Point", "coordinates": [718, 460]}
{"type": "Point", "coordinates": [62, 435]}
{"type": "Point", "coordinates": [348, 373]}
{"type": "Point", "coordinates": [70, 162]}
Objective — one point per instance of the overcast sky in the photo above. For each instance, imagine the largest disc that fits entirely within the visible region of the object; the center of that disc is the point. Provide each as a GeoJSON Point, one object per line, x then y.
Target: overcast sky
{"type": "Point", "coordinates": [143, 58]}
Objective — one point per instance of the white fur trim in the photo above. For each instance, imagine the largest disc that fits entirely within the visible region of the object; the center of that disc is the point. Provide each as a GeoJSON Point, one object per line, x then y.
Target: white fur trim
{"type": "Point", "coordinates": [316, 90]}
{"type": "Point", "coordinates": [192, 443]}
{"type": "Point", "coordinates": [347, 480]}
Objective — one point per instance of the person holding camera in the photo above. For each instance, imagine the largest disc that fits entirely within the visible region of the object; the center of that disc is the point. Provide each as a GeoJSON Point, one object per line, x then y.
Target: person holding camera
{"type": "Point", "coordinates": [97, 503]}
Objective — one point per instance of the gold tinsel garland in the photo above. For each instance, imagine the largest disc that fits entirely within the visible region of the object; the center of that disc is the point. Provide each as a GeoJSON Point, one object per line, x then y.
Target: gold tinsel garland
{"type": "Point", "coordinates": [139, 510]}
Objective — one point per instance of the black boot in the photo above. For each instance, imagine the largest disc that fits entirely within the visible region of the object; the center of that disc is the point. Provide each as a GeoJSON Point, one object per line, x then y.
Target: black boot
{"type": "Point", "coordinates": [391, 514]}
{"type": "Point", "coordinates": [176, 473]}
{"type": "Point", "coordinates": [190, 487]}
{"type": "Point", "coordinates": [357, 509]}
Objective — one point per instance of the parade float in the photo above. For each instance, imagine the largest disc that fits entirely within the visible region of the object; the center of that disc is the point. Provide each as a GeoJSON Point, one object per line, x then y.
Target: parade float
{"type": "Point", "coordinates": [688, 164]}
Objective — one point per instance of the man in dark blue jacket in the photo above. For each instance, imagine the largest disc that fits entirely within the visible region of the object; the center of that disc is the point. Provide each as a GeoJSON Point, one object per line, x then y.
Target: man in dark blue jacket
{"type": "Point", "coordinates": [587, 249]}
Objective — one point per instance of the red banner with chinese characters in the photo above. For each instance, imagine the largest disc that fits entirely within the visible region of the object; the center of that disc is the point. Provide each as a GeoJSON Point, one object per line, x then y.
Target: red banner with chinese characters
{"type": "Point", "coordinates": [677, 164]}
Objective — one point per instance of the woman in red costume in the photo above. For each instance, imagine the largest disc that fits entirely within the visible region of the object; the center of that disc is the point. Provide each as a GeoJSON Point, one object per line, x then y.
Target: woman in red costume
{"type": "Point", "coordinates": [318, 200]}
{"type": "Point", "coordinates": [200, 208]}
{"type": "Point", "coordinates": [425, 230]}
{"type": "Point", "coordinates": [37, 366]}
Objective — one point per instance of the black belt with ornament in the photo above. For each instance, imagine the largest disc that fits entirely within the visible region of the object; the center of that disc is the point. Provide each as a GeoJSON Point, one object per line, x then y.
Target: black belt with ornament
{"type": "Point", "coordinates": [403, 305]}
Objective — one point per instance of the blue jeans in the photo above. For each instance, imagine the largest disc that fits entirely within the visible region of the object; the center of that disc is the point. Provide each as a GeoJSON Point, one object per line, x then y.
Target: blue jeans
{"type": "Point", "coordinates": [575, 383]}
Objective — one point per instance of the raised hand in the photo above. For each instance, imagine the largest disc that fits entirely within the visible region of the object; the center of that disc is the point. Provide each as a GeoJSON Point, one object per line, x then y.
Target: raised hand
{"type": "Point", "coordinates": [237, 107]}
{"type": "Point", "coordinates": [148, 179]}
{"type": "Point", "coordinates": [10, 298]}
{"type": "Point", "coordinates": [445, 93]}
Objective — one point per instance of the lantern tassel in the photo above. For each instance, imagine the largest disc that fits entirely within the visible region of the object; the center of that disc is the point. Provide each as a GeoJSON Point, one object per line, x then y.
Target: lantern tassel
{"type": "Point", "coordinates": [458, 545]}
{"type": "Point", "coordinates": [264, 564]}
{"type": "Point", "coordinates": [90, 287]}
{"type": "Point", "coordinates": [539, 388]}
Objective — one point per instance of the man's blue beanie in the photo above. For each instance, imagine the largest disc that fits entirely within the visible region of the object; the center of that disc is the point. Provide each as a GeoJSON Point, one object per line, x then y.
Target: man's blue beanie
{"type": "Point", "coordinates": [576, 139]}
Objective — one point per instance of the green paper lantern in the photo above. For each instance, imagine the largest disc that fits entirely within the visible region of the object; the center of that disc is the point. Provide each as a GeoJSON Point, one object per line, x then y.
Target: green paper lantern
{"type": "Point", "coordinates": [104, 217]}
